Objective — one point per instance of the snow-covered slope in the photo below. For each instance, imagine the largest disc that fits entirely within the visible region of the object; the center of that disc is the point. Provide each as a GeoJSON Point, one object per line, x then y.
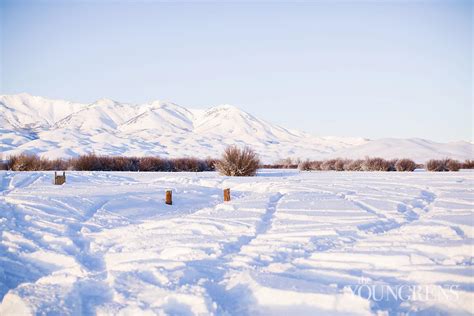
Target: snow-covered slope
{"type": "Point", "coordinates": [26, 111]}
{"type": "Point", "coordinates": [101, 115]}
{"type": "Point", "coordinates": [161, 117]}
{"type": "Point", "coordinates": [57, 128]}
{"type": "Point", "coordinates": [230, 121]}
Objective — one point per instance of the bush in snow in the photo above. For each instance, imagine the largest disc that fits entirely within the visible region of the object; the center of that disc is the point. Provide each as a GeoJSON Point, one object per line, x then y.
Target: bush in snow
{"type": "Point", "coordinates": [305, 165]}
{"type": "Point", "coordinates": [328, 165]}
{"type": "Point", "coordinates": [405, 165]}
{"type": "Point", "coordinates": [124, 163]}
{"type": "Point", "coordinates": [24, 162]}
{"type": "Point", "coordinates": [189, 164]}
{"type": "Point", "coordinates": [210, 164]}
{"type": "Point", "coordinates": [153, 164]}
{"type": "Point", "coordinates": [376, 164]}
{"type": "Point", "coordinates": [288, 163]}
{"type": "Point", "coordinates": [443, 165]}
{"type": "Point", "coordinates": [392, 163]}
{"type": "Point", "coordinates": [453, 165]}
{"type": "Point", "coordinates": [316, 165]}
{"type": "Point", "coordinates": [56, 164]}
{"type": "Point", "coordinates": [309, 165]}
{"type": "Point", "coordinates": [89, 162]}
{"type": "Point", "coordinates": [238, 162]}
{"type": "Point", "coordinates": [340, 164]}
{"type": "Point", "coordinates": [93, 162]}
{"type": "Point", "coordinates": [29, 162]}
{"type": "Point", "coordinates": [436, 165]}
{"type": "Point", "coordinates": [468, 164]}
{"type": "Point", "coordinates": [354, 165]}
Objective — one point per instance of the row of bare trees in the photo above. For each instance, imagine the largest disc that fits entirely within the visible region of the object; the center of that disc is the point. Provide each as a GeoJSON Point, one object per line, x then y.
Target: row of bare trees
{"type": "Point", "coordinates": [380, 164]}
{"type": "Point", "coordinates": [92, 162]}
{"type": "Point", "coordinates": [234, 162]}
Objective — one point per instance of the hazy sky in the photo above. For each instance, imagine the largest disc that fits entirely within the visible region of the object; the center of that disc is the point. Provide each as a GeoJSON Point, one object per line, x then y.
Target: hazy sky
{"type": "Point", "coordinates": [373, 69]}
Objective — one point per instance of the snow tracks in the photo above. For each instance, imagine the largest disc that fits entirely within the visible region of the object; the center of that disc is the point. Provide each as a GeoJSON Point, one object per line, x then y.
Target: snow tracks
{"type": "Point", "coordinates": [287, 243]}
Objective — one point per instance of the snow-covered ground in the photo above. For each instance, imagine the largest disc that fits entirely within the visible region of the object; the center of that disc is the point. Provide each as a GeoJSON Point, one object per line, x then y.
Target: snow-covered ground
{"type": "Point", "coordinates": [288, 243]}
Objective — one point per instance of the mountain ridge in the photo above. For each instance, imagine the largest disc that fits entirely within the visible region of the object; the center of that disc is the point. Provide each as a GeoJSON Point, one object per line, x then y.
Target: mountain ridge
{"type": "Point", "coordinates": [61, 129]}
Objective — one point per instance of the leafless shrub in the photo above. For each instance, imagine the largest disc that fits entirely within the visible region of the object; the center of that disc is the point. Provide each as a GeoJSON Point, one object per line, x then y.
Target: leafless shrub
{"type": "Point", "coordinates": [443, 165]}
{"type": "Point", "coordinates": [340, 164]}
{"type": "Point", "coordinates": [210, 164]}
{"type": "Point", "coordinates": [238, 162]}
{"type": "Point", "coordinates": [328, 165]}
{"type": "Point", "coordinates": [287, 163]}
{"type": "Point", "coordinates": [405, 165]}
{"type": "Point", "coordinates": [188, 164]}
{"type": "Point", "coordinates": [59, 164]}
{"type": "Point", "coordinates": [235, 161]}
{"type": "Point", "coordinates": [453, 165]}
{"type": "Point", "coordinates": [436, 165]}
{"type": "Point", "coordinates": [24, 162]}
{"type": "Point", "coordinates": [89, 162]}
{"type": "Point", "coordinates": [153, 164]}
{"type": "Point", "coordinates": [354, 165]}
{"type": "Point", "coordinates": [305, 165]}
{"type": "Point", "coordinates": [55, 164]}
{"type": "Point", "coordinates": [376, 164]}
{"type": "Point", "coordinates": [93, 162]}
{"type": "Point", "coordinates": [31, 162]}
{"type": "Point", "coordinates": [316, 165]}
{"type": "Point", "coordinates": [125, 163]}
{"type": "Point", "coordinates": [468, 164]}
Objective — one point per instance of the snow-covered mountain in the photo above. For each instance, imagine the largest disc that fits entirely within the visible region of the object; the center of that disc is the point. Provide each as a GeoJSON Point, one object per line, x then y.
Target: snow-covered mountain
{"type": "Point", "coordinates": [57, 128]}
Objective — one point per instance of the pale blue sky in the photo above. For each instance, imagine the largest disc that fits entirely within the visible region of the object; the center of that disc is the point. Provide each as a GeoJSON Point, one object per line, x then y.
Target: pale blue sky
{"type": "Point", "coordinates": [346, 68]}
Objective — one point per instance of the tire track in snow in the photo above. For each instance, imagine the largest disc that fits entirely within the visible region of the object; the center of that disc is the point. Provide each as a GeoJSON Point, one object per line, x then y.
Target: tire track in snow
{"type": "Point", "coordinates": [231, 303]}
{"type": "Point", "coordinates": [261, 228]}
{"type": "Point", "coordinates": [210, 274]}
{"type": "Point", "coordinates": [93, 290]}
{"type": "Point", "coordinates": [266, 221]}
{"type": "Point", "coordinates": [385, 223]}
{"type": "Point", "coordinates": [6, 180]}
{"type": "Point", "coordinates": [24, 183]}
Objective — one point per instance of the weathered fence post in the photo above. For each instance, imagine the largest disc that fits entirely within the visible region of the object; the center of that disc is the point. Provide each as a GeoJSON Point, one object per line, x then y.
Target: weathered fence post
{"type": "Point", "coordinates": [169, 197]}
{"type": "Point", "coordinates": [226, 195]}
{"type": "Point", "coordinates": [59, 180]}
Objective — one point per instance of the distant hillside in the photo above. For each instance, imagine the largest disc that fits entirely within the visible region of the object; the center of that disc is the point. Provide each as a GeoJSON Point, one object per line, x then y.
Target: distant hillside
{"type": "Point", "coordinates": [57, 128]}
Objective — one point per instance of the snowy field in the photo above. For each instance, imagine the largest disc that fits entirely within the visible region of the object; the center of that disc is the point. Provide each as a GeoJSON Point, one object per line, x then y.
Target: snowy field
{"type": "Point", "coordinates": [288, 243]}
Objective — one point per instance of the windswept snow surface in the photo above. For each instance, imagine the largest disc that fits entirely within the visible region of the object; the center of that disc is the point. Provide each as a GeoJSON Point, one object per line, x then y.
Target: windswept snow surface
{"type": "Point", "coordinates": [288, 243]}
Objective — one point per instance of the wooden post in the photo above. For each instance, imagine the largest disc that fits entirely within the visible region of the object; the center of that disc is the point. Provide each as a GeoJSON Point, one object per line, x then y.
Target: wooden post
{"type": "Point", "coordinates": [59, 180]}
{"type": "Point", "coordinates": [226, 195]}
{"type": "Point", "coordinates": [169, 197]}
